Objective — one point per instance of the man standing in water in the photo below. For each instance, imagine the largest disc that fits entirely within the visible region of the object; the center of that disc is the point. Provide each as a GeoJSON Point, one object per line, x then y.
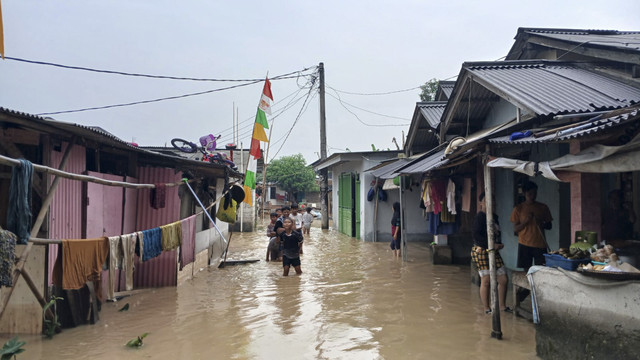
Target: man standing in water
{"type": "Point", "coordinates": [291, 242]}
{"type": "Point", "coordinates": [530, 219]}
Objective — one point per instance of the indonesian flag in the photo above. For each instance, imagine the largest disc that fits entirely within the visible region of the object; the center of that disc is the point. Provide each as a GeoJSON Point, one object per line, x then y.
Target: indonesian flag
{"type": "Point", "coordinates": [259, 134]}
{"type": "Point", "coordinates": [2, 36]}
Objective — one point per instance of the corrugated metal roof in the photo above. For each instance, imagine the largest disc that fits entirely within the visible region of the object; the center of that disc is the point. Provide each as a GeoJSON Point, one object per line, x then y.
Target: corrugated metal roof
{"type": "Point", "coordinates": [589, 128]}
{"type": "Point", "coordinates": [628, 40]}
{"type": "Point", "coordinates": [425, 164]}
{"type": "Point", "coordinates": [432, 111]}
{"type": "Point", "coordinates": [388, 171]}
{"type": "Point", "coordinates": [549, 88]}
{"type": "Point", "coordinates": [100, 135]}
{"type": "Point", "coordinates": [447, 88]}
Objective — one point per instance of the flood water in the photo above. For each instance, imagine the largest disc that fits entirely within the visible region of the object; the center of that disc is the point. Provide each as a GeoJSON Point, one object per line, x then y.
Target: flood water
{"type": "Point", "coordinates": [354, 300]}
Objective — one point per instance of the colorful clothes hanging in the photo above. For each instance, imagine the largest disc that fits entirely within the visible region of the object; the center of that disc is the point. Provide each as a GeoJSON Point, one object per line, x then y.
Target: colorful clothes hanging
{"type": "Point", "coordinates": [171, 236]}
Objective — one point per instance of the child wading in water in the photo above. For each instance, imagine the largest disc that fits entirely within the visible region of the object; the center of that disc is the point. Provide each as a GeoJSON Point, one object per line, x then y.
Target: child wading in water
{"type": "Point", "coordinates": [273, 249]}
{"type": "Point", "coordinates": [307, 219]}
{"type": "Point", "coordinates": [291, 241]}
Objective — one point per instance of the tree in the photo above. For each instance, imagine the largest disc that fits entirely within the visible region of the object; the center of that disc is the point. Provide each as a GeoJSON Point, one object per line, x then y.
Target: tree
{"type": "Point", "coordinates": [292, 174]}
{"type": "Point", "coordinates": [429, 89]}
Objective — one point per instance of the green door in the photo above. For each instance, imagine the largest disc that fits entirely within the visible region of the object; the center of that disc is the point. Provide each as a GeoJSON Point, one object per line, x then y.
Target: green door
{"type": "Point", "coordinates": [346, 204]}
{"type": "Point", "coordinates": [356, 191]}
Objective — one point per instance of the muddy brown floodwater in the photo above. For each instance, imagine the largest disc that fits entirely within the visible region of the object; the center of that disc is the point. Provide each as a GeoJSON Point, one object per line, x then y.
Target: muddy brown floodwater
{"type": "Point", "coordinates": [354, 300]}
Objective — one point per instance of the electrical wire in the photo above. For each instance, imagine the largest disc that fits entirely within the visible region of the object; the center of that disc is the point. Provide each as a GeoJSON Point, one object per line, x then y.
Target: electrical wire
{"type": "Point", "coordinates": [113, 72]}
{"type": "Point", "coordinates": [302, 110]}
{"type": "Point", "coordinates": [374, 94]}
{"type": "Point", "coordinates": [357, 117]}
{"type": "Point", "coordinates": [167, 98]}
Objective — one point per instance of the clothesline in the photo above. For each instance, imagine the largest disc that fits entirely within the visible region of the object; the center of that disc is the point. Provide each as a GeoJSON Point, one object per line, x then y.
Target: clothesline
{"type": "Point", "coordinates": [45, 169]}
{"type": "Point", "coordinates": [40, 241]}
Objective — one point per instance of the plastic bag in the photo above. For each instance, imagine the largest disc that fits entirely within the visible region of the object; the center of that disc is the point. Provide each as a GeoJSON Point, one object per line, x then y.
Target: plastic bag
{"type": "Point", "coordinates": [227, 210]}
{"type": "Point", "coordinates": [371, 194]}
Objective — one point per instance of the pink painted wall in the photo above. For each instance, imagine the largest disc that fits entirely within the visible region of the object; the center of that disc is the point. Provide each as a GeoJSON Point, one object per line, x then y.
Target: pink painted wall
{"type": "Point", "coordinates": [162, 270]}
{"type": "Point", "coordinates": [65, 213]}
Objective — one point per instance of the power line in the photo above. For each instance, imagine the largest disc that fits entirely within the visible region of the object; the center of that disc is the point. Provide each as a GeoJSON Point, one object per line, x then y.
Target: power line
{"type": "Point", "coordinates": [285, 76]}
{"type": "Point", "coordinates": [369, 111]}
{"type": "Point", "coordinates": [113, 72]}
{"type": "Point", "coordinates": [374, 94]}
{"type": "Point", "coordinates": [302, 110]}
{"type": "Point", "coordinates": [357, 117]}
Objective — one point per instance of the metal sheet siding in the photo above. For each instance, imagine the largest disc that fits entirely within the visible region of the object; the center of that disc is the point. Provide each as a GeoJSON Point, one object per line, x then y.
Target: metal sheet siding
{"type": "Point", "coordinates": [162, 270]}
{"type": "Point", "coordinates": [65, 213]}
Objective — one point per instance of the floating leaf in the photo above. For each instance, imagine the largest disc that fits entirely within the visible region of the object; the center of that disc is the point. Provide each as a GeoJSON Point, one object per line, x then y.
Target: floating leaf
{"type": "Point", "coordinates": [137, 342]}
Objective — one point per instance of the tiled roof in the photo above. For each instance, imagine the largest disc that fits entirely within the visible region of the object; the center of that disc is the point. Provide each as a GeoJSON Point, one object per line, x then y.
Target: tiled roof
{"type": "Point", "coordinates": [628, 40]}
{"type": "Point", "coordinates": [432, 111]}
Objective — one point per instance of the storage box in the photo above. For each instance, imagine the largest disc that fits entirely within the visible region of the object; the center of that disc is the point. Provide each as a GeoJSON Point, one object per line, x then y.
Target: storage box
{"type": "Point", "coordinates": [555, 260]}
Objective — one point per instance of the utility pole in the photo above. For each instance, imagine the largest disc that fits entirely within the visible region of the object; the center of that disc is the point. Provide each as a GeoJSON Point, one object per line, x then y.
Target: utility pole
{"type": "Point", "coordinates": [324, 185]}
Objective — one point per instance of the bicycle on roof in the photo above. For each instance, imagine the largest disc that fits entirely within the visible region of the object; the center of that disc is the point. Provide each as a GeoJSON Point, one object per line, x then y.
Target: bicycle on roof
{"type": "Point", "coordinates": [208, 150]}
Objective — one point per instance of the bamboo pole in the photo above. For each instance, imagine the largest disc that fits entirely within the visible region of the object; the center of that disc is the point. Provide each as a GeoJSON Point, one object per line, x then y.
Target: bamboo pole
{"type": "Point", "coordinates": [496, 331]}
{"type": "Point", "coordinates": [20, 270]}
{"type": "Point", "coordinates": [264, 169]}
{"type": "Point", "coordinates": [41, 168]}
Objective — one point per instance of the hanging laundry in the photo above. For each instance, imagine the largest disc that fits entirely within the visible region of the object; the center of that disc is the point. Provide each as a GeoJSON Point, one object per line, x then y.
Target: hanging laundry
{"type": "Point", "coordinates": [171, 236]}
{"type": "Point", "coordinates": [466, 195]}
{"type": "Point", "coordinates": [451, 196]}
{"type": "Point", "coordinates": [140, 245]}
{"type": "Point", "coordinates": [7, 257]}
{"type": "Point", "coordinates": [115, 262]}
{"type": "Point", "coordinates": [152, 243]}
{"type": "Point", "coordinates": [82, 261]}
{"type": "Point", "coordinates": [437, 227]}
{"type": "Point", "coordinates": [158, 196]}
{"type": "Point", "coordinates": [188, 246]}
{"type": "Point", "coordinates": [445, 215]}
{"type": "Point", "coordinates": [19, 210]}
{"type": "Point", "coordinates": [426, 196]}
{"type": "Point", "coordinates": [438, 194]}
{"type": "Point", "coordinates": [128, 252]}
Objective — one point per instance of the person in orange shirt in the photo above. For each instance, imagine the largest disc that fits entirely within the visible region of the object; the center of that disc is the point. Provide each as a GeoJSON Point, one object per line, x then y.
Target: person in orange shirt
{"type": "Point", "coordinates": [530, 219]}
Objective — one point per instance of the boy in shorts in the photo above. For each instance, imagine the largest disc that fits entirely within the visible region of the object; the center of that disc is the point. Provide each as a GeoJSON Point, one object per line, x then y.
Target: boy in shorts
{"type": "Point", "coordinates": [291, 242]}
{"type": "Point", "coordinates": [307, 219]}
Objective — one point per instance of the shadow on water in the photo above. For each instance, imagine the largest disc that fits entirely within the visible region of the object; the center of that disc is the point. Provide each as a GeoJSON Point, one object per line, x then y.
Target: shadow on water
{"type": "Point", "coordinates": [354, 300]}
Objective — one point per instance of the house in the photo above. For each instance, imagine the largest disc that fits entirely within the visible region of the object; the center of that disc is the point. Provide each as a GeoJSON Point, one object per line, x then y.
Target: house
{"type": "Point", "coordinates": [560, 95]}
{"type": "Point", "coordinates": [102, 187]}
{"type": "Point", "coordinates": [353, 215]}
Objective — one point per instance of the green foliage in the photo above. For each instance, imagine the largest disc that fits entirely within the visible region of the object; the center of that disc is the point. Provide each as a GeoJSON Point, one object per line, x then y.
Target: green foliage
{"type": "Point", "coordinates": [292, 174]}
{"type": "Point", "coordinates": [51, 325]}
{"type": "Point", "coordinates": [137, 342]}
{"type": "Point", "coordinates": [11, 348]}
{"type": "Point", "coordinates": [428, 90]}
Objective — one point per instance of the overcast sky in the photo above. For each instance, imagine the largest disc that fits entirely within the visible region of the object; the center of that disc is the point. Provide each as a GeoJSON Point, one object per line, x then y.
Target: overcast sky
{"type": "Point", "coordinates": [366, 46]}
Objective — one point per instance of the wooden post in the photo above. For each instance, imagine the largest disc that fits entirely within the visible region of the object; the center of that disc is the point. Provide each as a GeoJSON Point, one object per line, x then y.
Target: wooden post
{"type": "Point", "coordinates": [19, 269]}
{"type": "Point", "coordinates": [496, 331]}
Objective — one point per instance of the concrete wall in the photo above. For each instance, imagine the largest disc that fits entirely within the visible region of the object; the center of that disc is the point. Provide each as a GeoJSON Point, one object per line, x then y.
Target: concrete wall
{"type": "Point", "coordinates": [586, 318]}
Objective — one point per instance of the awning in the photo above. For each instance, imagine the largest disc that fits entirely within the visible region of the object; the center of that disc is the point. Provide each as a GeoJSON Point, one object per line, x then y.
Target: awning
{"type": "Point", "coordinates": [388, 170]}
{"type": "Point", "coordinates": [594, 159]}
{"type": "Point", "coordinates": [423, 165]}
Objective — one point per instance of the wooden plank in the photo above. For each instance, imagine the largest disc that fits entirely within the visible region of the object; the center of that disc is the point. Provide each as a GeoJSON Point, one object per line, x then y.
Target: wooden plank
{"type": "Point", "coordinates": [19, 136]}
{"type": "Point", "coordinates": [23, 314]}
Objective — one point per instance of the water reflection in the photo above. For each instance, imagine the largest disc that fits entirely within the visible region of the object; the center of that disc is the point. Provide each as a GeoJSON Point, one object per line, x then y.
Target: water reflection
{"type": "Point", "coordinates": [353, 301]}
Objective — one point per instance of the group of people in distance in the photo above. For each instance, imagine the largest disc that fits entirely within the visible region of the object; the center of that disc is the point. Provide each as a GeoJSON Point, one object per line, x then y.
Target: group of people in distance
{"type": "Point", "coordinates": [286, 236]}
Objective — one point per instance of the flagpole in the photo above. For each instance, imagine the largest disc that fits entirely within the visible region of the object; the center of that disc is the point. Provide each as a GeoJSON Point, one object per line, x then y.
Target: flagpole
{"type": "Point", "coordinates": [264, 169]}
